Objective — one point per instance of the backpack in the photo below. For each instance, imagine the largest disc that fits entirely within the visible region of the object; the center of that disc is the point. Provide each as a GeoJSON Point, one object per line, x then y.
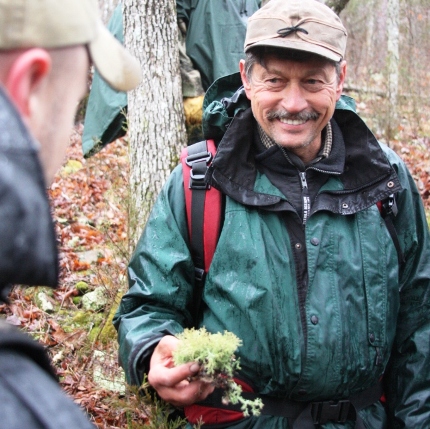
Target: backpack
{"type": "Point", "coordinates": [204, 212]}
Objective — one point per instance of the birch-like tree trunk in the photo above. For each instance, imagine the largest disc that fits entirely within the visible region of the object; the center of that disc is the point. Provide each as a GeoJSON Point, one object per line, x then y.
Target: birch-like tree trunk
{"type": "Point", "coordinates": [393, 10]}
{"type": "Point", "coordinates": [370, 31]}
{"type": "Point", "coordinates": [155, 109]}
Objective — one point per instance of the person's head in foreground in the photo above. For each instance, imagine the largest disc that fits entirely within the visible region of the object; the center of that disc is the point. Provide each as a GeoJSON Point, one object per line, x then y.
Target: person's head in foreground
{"type": "Point", "coordinates": [46, 49]}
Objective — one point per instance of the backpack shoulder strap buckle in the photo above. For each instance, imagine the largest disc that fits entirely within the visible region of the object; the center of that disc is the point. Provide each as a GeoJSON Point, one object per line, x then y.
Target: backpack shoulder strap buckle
{"type": "Point", "coordinates": [390, 205]}
{"type": "Point", "coordinates": [198, 158]}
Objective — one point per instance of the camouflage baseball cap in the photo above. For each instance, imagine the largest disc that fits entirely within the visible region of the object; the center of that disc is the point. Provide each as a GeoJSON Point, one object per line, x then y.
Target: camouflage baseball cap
{"type": "Point", "coordinates": [304, 25]}
{"type": "Point", "coordinates": [61, 23]}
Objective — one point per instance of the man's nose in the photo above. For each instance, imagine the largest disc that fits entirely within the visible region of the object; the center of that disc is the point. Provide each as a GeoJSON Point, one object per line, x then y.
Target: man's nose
{"type": "Point", "coordinates": [293, 98]}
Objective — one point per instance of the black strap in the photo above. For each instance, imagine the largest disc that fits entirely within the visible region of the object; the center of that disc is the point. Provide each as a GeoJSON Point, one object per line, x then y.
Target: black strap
{"type": "Point", "coordinates": [306, 415]}
{"type": "Point", "coordinates": [198, 159]}
{"type": "Point", "coordinates": [318, 413]}
{"type": "Point", "coordinates": [390, 210]}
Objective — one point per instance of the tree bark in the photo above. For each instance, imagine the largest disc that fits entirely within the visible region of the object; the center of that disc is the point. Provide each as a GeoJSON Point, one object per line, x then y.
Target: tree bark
{"type": "Point", "coordinates": [393, 9]}
{"type": "Point", "coordinates": [155, 109]}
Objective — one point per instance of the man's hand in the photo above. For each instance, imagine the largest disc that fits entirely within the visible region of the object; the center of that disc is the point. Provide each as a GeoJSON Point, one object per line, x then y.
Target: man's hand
{"type": "Point", "coordinates": [172, 383]}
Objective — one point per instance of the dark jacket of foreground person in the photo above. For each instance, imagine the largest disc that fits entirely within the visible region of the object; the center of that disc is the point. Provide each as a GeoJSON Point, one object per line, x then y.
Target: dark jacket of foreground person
{"type": "Point", "coordinates": [30, 397]}
{"type": "Point", "coordinates": [325, 310]}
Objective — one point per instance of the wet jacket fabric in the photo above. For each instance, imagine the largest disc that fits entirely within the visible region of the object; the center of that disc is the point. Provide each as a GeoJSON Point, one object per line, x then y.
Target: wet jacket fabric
{"type": "Point", "coordinates": [216, 34]}
{"type": "Point", "coordinates": [105, 114]}
{"type": "Point", "coordinates": [324, 309]}
{"type": "Point", "coordinates": [30, 396]}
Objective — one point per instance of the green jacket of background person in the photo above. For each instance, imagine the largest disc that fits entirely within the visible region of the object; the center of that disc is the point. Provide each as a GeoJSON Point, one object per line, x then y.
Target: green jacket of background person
{"type": "Point", "coordinates": [106, 108]}
{"type": "Point", "coordinates": [364, 316]}
{"type": "Point", "coordinates": [215, 34]}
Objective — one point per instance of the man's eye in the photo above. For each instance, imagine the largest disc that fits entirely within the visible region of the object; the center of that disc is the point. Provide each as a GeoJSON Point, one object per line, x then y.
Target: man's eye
{"type": "Point", "coordinates": [274, 82]}
{"type": "Point", "coordinates": [313, 84]}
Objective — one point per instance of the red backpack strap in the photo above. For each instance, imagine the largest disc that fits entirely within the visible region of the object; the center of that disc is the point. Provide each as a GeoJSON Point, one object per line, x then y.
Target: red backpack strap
{"type": "Point", "coordinates": [203, 206]}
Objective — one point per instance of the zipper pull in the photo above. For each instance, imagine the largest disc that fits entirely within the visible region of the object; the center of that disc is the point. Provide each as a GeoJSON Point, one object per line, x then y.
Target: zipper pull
{"type": "Point", "coordinates": [378, 357]}
{"type": "Point", "coordinates": [305, 196]}
{"type": "Point", "coordinates": [303, 179]}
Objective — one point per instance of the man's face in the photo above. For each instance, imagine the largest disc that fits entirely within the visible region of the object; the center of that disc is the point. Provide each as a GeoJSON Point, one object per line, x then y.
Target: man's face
{"type": "Point", "coordinates": [293, 101]}
{"type": "Point", "coordinates": [52, 124]}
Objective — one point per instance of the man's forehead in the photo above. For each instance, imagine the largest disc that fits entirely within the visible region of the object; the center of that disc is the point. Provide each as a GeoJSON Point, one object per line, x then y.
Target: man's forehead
{"type": "Point", "coordinates": [283, 63]}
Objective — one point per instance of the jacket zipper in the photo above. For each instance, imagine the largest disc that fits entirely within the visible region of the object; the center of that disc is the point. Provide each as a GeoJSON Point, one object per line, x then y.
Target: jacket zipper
{"type": "Point", "coordinates": [306, 200]}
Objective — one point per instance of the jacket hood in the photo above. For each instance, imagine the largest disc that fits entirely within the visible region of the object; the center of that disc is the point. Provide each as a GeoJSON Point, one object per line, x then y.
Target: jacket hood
{"type": "Point", "coordinates": [226, 97]}
{"type": "Point", "coordinates": [28, 252]}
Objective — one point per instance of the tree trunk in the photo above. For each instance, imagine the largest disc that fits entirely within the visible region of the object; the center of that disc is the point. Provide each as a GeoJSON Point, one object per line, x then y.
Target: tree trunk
{"type": "Point", "coordinates": [393, 9]}
{"type": "Point", "coordinates": [155, 109]}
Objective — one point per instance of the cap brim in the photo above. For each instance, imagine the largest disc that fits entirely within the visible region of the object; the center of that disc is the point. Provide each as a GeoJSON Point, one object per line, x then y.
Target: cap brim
{"type": "Point", "coordinates": [115, 64]}
{"type": "Point", "coordinates": [297, 45]}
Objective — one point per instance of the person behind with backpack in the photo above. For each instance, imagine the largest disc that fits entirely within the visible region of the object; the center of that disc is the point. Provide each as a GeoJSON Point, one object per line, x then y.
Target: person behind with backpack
{"type": "Point", "coordinates": [46, 47]}
{"type": "Point", "coordinates": [331, 303]}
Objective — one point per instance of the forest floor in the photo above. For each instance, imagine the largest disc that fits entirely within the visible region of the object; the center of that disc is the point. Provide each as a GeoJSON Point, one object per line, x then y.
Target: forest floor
{"type": "Point", "coordinates": [89, 199]}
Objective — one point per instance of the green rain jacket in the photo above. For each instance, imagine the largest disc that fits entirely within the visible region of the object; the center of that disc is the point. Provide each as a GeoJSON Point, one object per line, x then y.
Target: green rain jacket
{"type": "Point", "coordinates": [105, 115]}
{"type": "Point", "coordinates": [355, 316]}
{"type": "Point", "coordinates": [216, 34]}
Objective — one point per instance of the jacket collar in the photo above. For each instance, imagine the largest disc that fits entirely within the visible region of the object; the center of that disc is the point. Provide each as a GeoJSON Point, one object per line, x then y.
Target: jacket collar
{"type": "Point", "coordinates": [366, 175]}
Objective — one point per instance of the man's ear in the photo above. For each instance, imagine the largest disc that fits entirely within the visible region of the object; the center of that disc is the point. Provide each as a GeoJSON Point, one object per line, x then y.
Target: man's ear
{"type": "Point", "coordinates": [341, 79]}
{"type": "Point", "coordinates": [245, 81]}
{"type": "Point", "coordinates": [24, 77]}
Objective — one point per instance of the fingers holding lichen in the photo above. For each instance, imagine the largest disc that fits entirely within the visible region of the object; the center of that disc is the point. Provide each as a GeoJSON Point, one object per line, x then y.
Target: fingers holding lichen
{"type": "Point", "coordinates": [215, 355]}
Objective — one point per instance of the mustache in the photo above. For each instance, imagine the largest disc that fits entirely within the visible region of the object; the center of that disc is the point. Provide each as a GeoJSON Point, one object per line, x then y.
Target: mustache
{"type": "Point", "coordinates": [301, 116]}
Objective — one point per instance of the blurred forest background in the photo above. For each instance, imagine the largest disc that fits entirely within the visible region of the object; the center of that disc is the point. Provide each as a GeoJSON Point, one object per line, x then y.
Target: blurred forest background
{"type": "Point", "coordinates": [368, 59]}
{"type": "Point", "coordinates": [91, 205]}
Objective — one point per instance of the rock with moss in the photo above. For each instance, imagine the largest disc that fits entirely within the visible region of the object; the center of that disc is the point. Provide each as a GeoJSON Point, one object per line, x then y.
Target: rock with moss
{"type": "Point", "coordinates": [95, 300]}
{"type": "Point", "coordinates": [215, 355]}
{"type": "Point", "coordinates": [43, 301]}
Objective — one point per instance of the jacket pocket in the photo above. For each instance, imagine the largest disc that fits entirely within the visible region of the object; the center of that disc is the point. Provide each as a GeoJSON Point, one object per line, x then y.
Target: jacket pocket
{"type": "Point", "coordinates": [380, 276]}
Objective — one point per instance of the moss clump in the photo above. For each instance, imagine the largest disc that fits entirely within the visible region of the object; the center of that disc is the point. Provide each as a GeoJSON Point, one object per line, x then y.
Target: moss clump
{"type": "Point", "coordinates": [215, 355]}
{"type": "Point", "coordinates": [82, 287]}
{"type": "Point", "coordinates": [77, 300]}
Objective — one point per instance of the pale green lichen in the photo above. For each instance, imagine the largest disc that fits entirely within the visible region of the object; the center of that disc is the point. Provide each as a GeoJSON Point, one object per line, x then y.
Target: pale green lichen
{"type": "Point", "coordinates": [215, 354]}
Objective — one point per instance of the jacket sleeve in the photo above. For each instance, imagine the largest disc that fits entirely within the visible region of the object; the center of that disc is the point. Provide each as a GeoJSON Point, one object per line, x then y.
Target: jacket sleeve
{"type": "Point", "coordinates": [31, 398]}
{"type": "Point", "coordinates": [161, 278]}
{"type": "Point", "coordinates": [407, 379]}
